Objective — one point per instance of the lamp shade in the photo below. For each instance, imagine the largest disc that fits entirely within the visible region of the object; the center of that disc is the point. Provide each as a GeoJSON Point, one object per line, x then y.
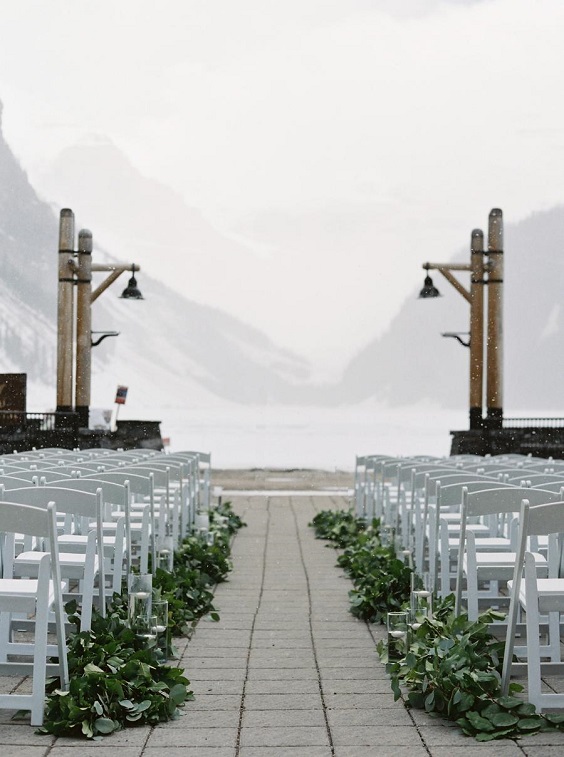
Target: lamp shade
{"type": "Point", "coordinates": [429, 289]}
{"type": "Point", "coordinates": [131, 292]}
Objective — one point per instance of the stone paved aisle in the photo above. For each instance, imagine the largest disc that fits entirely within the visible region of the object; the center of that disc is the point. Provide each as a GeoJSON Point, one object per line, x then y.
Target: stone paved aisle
{"type": "Point", "coordinates": [287, 672]}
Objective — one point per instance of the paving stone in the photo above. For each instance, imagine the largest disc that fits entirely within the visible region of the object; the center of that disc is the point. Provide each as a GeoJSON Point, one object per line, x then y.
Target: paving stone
{"type": "Point", "coordinates": [371, 735]}
{"type": "Point", "coordinates": [372, 673]}
{"type": "Point", "coordinates": [186, 751]}
{"type": "Point", "coordinates": [303, 686]}
{"type": "Point", "coordinates": [285, 751]}
{"type": "Point", "coordinates": [219, 686]}
{"type": "Point", "coordinates": [301, 736]}
{"type": "Point", "coordinates": [192, 737]}
{"type": "Point", "coordinates": [346, 686]}
{"type": "Point", "coordinates": [20, 750]}
{"type": "Point", "coordinates": [200, 651]}
{"type": "Point", "coordinates": [214, 702]}
{"type": "Point", "coordinates": [221, 674]}
{"type": "Point", "coordinates": [382, 750]}
{"type": "Point", "coordinates": [286, 701]}
{"type": "Point", "coordinates": [277, 659]}
{"type": "Point", "coordinates": [210, 663]}
{"type": "Point", "coordinates": [23, 733]}
{"type": "Point", "coordinates": [476, 749]}
{"type": "Point", "coordinates": [282, 643]}
{"type": "Point", "coordinates": [103, 749]}
{"type": "Point", "coordinates": [192, 718]}
{"type": "Point", "coordinates": [550, 738]}
{"type": "Point", "coordinates": [361, 701]}
{"type": "Point", "coordinates": [282, 674]}
{"type": "Point", "coordinates": [133, 738]}
{"type": "Point", "coordinates": [283, 718]}
{"type": "Point", "coordinates": [370, 716]}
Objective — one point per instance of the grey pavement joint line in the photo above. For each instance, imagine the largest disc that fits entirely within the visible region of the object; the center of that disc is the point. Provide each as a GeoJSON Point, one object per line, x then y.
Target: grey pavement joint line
{"type": "Point", "coordinates": [263, 571]}
{"type": "Point", "coordinates": [316, 661]}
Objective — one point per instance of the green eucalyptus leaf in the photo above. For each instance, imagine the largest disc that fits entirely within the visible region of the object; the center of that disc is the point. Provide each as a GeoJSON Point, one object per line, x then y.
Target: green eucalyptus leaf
{"type": "Point", "coordinates": [509, 702]}
{"type": "Point", "coordinates": [529, 724]}
{"type": "Point", "coordinates": [478, 722]}
{"type": "Point", "coordinates": [553, 717]}
{"type": "Point", "coordinates": [503, 719]}
{"type": "Point", "coordinates": [105, 725]}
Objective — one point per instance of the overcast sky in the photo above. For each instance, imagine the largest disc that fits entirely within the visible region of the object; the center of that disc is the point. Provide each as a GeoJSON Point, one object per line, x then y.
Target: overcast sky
{"type": "Point", "coordinates": [420, 114]}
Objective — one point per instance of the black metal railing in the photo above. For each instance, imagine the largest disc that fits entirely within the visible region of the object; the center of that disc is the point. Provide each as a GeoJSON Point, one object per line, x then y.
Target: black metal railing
{"type": "Point", "coordinates": [533, 423]}
{"type": "Point", "coordinates": [17, 419]}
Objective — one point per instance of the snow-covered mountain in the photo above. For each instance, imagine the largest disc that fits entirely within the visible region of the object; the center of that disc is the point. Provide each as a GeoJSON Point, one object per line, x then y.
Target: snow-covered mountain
{"type": "Point", "coordinates": [169, 346]}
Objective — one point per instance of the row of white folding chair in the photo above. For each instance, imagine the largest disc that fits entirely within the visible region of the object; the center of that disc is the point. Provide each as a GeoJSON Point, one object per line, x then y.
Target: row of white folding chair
{"type": "Point", "coordinates": [427, 507]}
{"type": "Point", "coordinates": [538, 597]}
{"type": "Point", "coordinates": [116, 542]}
{"type": "Point", "coordinates": [365, 482]}
{"type": "Point", "coordinates": [85, 565]}
{"type": "Point", "coordinates": [394, 486]}
{"type": "Point", "coordinates": [203, 469]}
{"type": "Point", "coordinates": [37, 598]}
{"type": "Point", "coordinates": [443, 527]}
{"type": "Point", "coordinates": [139, 532]}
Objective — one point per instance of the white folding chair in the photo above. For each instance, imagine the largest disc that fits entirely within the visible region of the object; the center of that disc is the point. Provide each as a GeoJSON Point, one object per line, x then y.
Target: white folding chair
{"type": "Point", "coordinates": [537, 597]}
{"type": "Point", "coordinates": [139, 531]}
{"type": "Point", "coordinates": [114, 537]}
{"type": "Point", "coordinates": [36, 598]}
{"type": "Point", "coordinates": [84, 565]}
{"type": "Point", "coordinates": [490, 564]}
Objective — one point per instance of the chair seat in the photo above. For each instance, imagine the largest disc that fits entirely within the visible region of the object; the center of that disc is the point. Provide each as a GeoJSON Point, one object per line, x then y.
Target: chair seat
{"type": "Point", "coordinates": [477, 528]}
{"type": "Point", "coordinates": [550, 593]}
{"type": "Point", "coordinates": [80, 540]}
{"type": "Point", "coordinates": [66, 559]}
{"type": "Point", "coordinates": [24, 589]}
{"type": "Point", "coordinates": [494, 566]}
{"type": "Point", "coordinates": [495, 543]}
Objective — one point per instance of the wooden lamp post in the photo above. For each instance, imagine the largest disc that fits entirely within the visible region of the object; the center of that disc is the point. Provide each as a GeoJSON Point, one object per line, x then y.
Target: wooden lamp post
{"type": "Point", "coordinates": [482, 272]}
{"type": "Point", "coordinates": [74, 315]}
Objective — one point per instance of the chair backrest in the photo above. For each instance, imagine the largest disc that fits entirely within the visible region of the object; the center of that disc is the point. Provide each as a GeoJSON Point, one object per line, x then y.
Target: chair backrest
{"type": "Point", "coordinates": [452, 493]}
{"type": "Point", "coordinates": [138, 484]}
{"type": "Point", "coordinates": [503, 500]}
{"type": "Point", "coordinates": [72, 501]}
{"type": "Point", "coordinates": [15, 482]}
{"type": "Point", "coordinates": [53, 474]}
{"type": "Point", "coordinates": [556, 487]}
{"type": "Point", "coordinates": [23, 518]}
{"type": "Point", "coordinates": [538, 478]}
{"type": "Point", "coordinates": [30, 465]}
{"type": "Point", "coordinates": [75, 470]}
{"type": "Point", "coordinates": [112, 492]}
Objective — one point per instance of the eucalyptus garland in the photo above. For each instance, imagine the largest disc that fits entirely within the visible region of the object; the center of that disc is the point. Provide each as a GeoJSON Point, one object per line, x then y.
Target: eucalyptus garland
{"type": "Point", "coordinates": [452, 667]}
{"type": "Point", "coordinates": [115, 680]}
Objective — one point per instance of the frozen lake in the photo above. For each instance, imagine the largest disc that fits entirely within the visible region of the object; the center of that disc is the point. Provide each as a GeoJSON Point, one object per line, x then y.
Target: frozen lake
{"type": "Point", "coordinates": [308, 437]}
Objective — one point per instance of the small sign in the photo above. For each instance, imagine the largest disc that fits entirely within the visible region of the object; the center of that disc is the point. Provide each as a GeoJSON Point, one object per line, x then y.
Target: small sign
{"type": "Point", "coordinates": [13, 391]}
{"type": "Point", "coordinates": [121, 395]}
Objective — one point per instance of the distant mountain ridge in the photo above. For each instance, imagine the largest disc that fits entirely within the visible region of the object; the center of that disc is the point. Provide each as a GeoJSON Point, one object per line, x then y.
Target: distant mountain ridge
{"type": "Point", "coordinates": [165, 341]}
